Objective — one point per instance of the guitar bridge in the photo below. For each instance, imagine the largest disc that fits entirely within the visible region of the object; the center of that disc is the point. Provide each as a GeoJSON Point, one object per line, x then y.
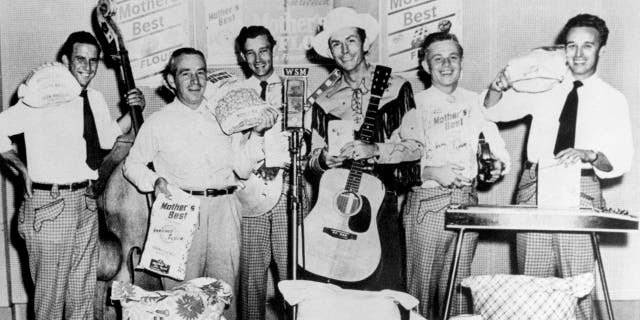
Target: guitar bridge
{"type": "Point", "coordinates": [340, 234]}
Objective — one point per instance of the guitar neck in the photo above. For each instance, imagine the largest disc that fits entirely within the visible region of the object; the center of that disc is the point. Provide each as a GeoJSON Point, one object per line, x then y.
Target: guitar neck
{"type": "Point", "coordinates": [367, 130]}
{"type": "Point", "coordinates": [367, 133]}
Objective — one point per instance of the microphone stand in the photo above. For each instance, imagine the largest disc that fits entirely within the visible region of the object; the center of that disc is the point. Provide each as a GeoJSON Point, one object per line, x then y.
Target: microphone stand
{"type": "Point", "coordinates": [295, 206]}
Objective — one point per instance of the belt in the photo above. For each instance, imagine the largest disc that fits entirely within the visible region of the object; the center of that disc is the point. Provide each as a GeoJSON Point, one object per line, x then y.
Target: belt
{"type": "Point", "coordinates": [534, 165]}
{"type": "Point", "coordinates": [67, 186]}
{"type": "Point", "coordinates": [211, 192]}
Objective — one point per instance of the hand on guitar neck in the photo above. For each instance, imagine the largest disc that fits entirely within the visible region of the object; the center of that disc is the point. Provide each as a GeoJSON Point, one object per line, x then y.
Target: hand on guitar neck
{"type": "Point", "coordinates": [354, 150]}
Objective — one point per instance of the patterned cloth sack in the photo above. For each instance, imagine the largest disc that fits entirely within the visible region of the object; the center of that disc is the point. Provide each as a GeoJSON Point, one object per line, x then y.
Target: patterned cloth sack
{"type": "Point", "coordinates": [196, 299]}
{"type": "Point", "coordinates": [239, 109]}
{"type": "Point", "coordinates": [518, 297]}
{"type": "Point", "coordinates": [321, 301]}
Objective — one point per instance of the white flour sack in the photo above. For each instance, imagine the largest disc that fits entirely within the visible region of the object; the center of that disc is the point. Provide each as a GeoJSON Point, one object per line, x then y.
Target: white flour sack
{"type": "Point", "coordinates": [173, 223]}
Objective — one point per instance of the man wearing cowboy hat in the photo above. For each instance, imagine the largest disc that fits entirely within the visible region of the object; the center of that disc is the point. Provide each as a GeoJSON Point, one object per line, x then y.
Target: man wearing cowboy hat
{"type": "Point", "coordinates": [346, 37]}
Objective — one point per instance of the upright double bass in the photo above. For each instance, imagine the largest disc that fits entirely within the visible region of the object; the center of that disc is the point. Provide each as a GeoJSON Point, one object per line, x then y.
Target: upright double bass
{"type": "Point", "coordinates": [124, 211]}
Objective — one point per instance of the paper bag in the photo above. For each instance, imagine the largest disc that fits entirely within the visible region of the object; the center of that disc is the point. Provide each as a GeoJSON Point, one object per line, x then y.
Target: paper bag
{"type": "Point", "coordinates": [558, 185]}
{"type": "Point", "coordinates": [340, 133]}
{"type": "Point", "coordinates": [171, 228]}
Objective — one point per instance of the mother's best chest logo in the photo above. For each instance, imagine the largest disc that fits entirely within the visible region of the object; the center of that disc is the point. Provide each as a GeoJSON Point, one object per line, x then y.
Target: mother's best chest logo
{"type": "Point", "coordinates": [450, 120]}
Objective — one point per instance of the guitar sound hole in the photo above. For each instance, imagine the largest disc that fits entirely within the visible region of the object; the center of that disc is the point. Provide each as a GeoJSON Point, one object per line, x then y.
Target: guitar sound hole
{"type": "Point", "coordinates": [348, 203]}
{"type": "Point", "coordinates": [361, 221]}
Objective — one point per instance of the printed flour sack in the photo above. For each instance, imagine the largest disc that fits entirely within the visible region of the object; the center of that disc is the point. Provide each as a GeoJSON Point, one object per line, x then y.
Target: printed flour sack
{"type": "Point", "coordinates": [173, 223]}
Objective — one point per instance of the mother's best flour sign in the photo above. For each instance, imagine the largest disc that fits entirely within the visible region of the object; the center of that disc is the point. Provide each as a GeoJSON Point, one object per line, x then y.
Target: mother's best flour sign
{"type": "Point", "coordinates": [410, 21]}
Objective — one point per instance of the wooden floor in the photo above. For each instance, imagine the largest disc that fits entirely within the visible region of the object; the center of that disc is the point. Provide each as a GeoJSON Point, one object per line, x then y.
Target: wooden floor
{"type": "Point", "coordinates": [623, 309]}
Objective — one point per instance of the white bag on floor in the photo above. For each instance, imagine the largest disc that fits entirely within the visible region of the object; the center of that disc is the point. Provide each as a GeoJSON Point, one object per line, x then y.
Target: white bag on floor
{"type": "Point", "coordinates": [320, 301]}
{"type": "Point", "coordinates": [171, 228]}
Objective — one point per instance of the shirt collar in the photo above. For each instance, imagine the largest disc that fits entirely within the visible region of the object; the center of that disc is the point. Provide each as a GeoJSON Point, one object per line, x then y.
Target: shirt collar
{"type": "Point", "coordinates": [178, 105]}
{"type": "Point", "coordinates": [585, 82]}
{"type": "Point", "coordinates": [342, 85]}
{"type": "Point", "coordinates": [274, 78]}
{"type": "Point", "coordinates": [439, 93]}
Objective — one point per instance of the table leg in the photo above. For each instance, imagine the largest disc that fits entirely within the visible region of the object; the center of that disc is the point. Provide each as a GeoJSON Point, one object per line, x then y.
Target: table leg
{"type": "Point", "coordinates": [605, 288]}
{"type": "Point", "coordinates": [452, 274]}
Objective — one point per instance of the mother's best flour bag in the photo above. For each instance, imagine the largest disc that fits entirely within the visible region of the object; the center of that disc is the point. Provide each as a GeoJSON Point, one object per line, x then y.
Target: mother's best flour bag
{"type": "Point", "coordinates": [172, 225]}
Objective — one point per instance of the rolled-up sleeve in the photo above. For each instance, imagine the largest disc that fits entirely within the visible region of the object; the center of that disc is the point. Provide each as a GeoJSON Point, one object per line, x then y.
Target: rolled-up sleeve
{"type": "Point", "coordinates": [615, 138]}
{"type": "Point", "coordinates": [12, 122]}
{"type": "Point", "coordinates": [142, 152]}
{"type": "Point", "coordinates": [512, 106]}
{"type": "Point", "coordinates": [248, 151]}
{"type": "Point", "coordinates": [108, 129]}
{"type": "Point", "coordinates": [405, 142]}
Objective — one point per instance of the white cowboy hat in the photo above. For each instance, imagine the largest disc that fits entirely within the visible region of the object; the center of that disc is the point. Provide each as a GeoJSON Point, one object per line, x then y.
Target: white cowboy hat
{"type": "Point", "coordinates": [344, 17]}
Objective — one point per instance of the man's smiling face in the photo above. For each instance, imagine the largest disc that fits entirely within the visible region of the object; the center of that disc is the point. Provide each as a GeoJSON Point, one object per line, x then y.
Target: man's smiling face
{"type": "Point", "coordinates": [583, 51]}
{"type": "Point", "coordinates": [443, 62]}
{"type": "Point", "coordinates": [347, 48]}
{"type": "Point", "coordinates": [258, 54]}
{"type": "Point", "coordinates": [83, 62]}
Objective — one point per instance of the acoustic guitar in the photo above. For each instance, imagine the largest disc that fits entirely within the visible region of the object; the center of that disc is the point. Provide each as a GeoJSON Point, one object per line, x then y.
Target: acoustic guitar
{"type": "Point", "coordinates": [341, 238]}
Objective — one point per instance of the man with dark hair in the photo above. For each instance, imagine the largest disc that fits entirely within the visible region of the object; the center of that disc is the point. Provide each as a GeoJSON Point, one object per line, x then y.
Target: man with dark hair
{"type": "Point", "coordinates": [64, 146]}
{"type": "Point", "coordinates": [189, 150]}
{"type": "Point", "coordinates": [447, 120]}
{"type": "Point", "coordinates": [265, 235]}
{"type": "Point", "coordinates": [172, 66]}
{"type": "Point", "coordinates": [585, 20]}
{"type": "Point", "coordinates": [581, 120]}
{"type": "Point", "coordinates": [345, 38]}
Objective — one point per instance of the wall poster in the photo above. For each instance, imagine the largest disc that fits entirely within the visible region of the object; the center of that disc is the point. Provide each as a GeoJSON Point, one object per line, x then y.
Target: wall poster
{"type": "Point", "coordinates": [152, 30]}
{"type": "Point", "coordinates": [410, 21]}
{"type": "Point", "coordinates": [292, 23]}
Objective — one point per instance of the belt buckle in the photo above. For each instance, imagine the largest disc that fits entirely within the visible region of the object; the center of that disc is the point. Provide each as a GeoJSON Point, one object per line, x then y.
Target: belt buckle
{"type": "Point", "coordinates": [210, 192]}
{"type": "Point", "coordinates": [54, 192]}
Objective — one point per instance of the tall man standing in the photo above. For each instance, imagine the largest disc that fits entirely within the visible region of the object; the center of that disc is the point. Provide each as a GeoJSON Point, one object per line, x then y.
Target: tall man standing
{"type": "Point", "coordinates": [346, 37]}
{"type": "Point", "coordinates": [64, 146]}
{"type": "Point", "coordinates": [189, 150]}
{"type": "Point", "coordinates": [265, 236]}
{"type": "Point", "coordinates": [583, 120]}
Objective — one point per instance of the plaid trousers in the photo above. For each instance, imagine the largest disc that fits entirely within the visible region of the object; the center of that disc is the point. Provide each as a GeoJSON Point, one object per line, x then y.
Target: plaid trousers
{"type": "Point", "coordinates": [60, 229]}
{"type": "Point", "coordinates": [265, 238]}
{"type": "Point", "coordinates": [558, 254]}
{"type": "Point", "coordinates": [430, 249]}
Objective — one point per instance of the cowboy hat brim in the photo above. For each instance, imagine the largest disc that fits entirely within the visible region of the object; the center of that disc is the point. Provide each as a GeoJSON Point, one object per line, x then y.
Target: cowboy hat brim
{"type": "Point", "coordinates": [340, 18]}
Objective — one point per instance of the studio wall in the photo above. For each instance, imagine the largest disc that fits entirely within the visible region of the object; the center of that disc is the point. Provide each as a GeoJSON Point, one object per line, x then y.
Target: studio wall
{"type": "Point", "coordinates": [31, 32]}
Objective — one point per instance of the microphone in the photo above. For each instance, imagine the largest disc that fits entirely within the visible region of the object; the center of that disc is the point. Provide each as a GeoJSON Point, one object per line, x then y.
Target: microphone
{"type": "Point", "coordinates": [295, 89]}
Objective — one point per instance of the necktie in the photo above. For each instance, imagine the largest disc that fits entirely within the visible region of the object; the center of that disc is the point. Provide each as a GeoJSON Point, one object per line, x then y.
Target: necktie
{"type": "Point", "coordinates": [90, 135]}
{"type": "Point", "coordinates": [567, 129]}
{"type": "Point", "coordinates": [356, 105]}
{"type": "Point", "coordinates": [263, 91]}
